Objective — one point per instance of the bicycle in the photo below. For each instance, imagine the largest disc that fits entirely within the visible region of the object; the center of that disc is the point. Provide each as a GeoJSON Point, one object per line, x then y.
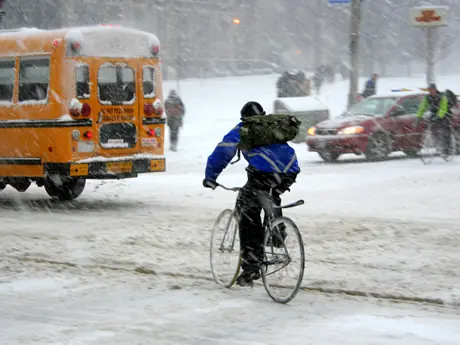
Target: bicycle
{"type": "Point", "coordinates": [272, 259]}
{"type": "Point", "coordinates": [433, 144]}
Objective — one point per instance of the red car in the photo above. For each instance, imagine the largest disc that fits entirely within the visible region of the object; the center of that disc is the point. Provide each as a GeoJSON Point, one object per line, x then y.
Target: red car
{"type": "Point", "coordinates": [374, 127]}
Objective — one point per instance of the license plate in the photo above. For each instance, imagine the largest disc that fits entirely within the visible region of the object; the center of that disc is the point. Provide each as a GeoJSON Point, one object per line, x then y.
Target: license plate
{"type": "Point", "coordinates": [157, 165]}
{"type": "Point", "coordinates": [85, 146]}
{"type": "Point", "coordinates": [79, 170]}
{"type": "Point", "coordinates": [119, 167]}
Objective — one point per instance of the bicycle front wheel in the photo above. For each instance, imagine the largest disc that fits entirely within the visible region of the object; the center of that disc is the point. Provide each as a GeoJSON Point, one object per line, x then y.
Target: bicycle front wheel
{"type": "Point", "coordinates": [284, 260]}
{"type": "Point", "coordinates": [225, 254]}
{"type": "Point", "coordinates": [429, 149]}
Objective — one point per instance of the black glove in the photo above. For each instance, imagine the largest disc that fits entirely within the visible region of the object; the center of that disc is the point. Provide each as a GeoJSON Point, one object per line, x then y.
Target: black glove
{"type": "Point", "coordinates": [209, 184]}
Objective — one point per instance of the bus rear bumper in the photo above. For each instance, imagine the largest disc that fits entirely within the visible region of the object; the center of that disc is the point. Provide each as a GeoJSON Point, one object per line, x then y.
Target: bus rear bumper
{"type": "Point", "coordinates": [108, 168]}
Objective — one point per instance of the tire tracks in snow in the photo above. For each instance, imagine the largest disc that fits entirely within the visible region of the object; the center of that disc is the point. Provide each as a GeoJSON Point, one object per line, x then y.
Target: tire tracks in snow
{"type": "Point", "coordinates": [347, 255]}
{"type": "Point", "coordinates": [305, 288]}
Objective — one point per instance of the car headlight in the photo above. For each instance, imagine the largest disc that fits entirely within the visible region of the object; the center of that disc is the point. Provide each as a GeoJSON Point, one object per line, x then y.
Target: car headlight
{"type": "Point", "coordinates": [351, 130]}
{"type": "Point", "coordinates": [311, 131]}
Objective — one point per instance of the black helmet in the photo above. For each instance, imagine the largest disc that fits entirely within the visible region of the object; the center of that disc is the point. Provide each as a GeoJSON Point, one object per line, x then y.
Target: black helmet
{"type": "Point", "coordinates": [251, 108]}
{"type": "Point", "coordinates": [432, 86]}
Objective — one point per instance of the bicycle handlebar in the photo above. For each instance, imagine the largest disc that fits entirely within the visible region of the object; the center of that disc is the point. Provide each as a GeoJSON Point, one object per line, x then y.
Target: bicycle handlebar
{"type": "Point", "coordinates": [232, 189]}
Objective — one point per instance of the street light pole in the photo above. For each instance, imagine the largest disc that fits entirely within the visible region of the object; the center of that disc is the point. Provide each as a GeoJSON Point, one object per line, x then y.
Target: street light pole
{"type": "Point", "coordinates": [354, 51]}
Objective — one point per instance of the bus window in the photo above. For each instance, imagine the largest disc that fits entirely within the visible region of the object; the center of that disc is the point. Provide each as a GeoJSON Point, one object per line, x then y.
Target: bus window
{"type": "Point", "coordinates": [148, 81]}
{"type": "Point", "coordinates": [116, 85]}
{"type": "Point", "coordinates": [7, 79]}
{"type": "Point", "coordinates": [34, 76]}
{"type": "Point", "coordinates": [82, 79]}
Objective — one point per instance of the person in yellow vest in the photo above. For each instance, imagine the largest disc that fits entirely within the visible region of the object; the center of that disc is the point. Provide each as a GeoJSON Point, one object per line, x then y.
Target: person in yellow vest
{"type": "Point", "coordinates": [440, 115]}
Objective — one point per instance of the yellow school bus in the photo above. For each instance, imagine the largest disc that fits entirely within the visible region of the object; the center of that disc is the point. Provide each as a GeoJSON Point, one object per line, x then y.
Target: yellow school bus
{"type": "Point", "coordinates": [79, 103]}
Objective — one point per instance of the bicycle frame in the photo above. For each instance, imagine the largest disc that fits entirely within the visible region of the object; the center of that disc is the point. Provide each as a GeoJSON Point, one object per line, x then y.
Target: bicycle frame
{"type": "Point", "coordinates": [268, 206]}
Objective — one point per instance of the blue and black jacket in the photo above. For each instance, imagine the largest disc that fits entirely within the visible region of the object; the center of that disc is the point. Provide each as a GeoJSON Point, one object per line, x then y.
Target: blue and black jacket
{"type": "Point", "coordinates": [274, 158]}
{"type": "Point", "coordinates": [369, 88]}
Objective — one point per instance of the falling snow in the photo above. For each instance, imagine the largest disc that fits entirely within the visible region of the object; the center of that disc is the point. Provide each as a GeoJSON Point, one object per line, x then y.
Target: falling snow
{"type": "Point", "coordinates": [128, 261]}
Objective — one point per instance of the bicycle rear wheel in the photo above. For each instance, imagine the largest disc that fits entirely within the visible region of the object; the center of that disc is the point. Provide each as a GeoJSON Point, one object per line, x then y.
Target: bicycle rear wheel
{"type": "Point", "coordinates": [451, 152]}
{"type": "Point", "coordinates": [225, 254]}
{"type": "Point", "coordinates": [429, 149]}
{"type": "Point", "coordinates": [283, 267]}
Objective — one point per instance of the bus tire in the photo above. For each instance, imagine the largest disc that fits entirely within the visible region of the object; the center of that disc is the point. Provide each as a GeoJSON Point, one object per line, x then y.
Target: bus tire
{"type": "Point", "coordinates": [70, 189]}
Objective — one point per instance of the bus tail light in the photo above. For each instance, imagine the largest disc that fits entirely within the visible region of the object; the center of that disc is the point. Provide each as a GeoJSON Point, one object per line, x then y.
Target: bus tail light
{"type": "Point", "coordinates": [149, 109]}
{"type": "Point", "coordinates": [157, 107]}
{"type": "Point", "coordinates": [154, 46]}
{"type": "Point", "coordinates": [88, 135]}
{"type": "Point", "coordinates": [56, 43]}
{"type": "Point", "coordinates": [75, 46]}
{"type": "Point", "coordinates": [76, 134]}
{"type": "Point", "coordinates": [85, 110]}
{"type": "Point", "coordinates": [76, 108]}
{"type": "Point", "coordinates": [151, 133]}
{"type": "Point", "coordinates": [74, 112]}
{"type": "Point", "coordinates": [155, 50]}
{"type": "Point", "coordinates": [159, 111]}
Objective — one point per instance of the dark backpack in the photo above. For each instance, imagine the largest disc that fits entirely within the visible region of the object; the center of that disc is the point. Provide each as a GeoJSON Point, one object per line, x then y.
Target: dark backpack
{"type": "Point", "coordinates": [260, 130]}
{"type": "Point", "coordinates": [451, 98]}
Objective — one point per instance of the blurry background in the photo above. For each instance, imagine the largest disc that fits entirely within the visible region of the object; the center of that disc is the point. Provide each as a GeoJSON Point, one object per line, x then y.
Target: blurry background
{"type": "Point", "coordinates": [209, 38]}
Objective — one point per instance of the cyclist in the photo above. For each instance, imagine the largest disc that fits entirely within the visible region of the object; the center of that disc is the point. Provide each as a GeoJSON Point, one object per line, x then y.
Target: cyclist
{"type": "Point", "coordinates": [270, 166]}
{"type": "Point", "coordinates": [438, 105]}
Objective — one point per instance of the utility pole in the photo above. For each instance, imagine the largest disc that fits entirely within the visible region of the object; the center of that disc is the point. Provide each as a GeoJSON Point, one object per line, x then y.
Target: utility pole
{"type": "Point", "coordinates": [318, 42]}
{"type": "Point", "coordinates": [178, 49]}
{"type": "Point", "coordinates": [430, 54]}
{"type": "Point", "coordinates": [354, 51]}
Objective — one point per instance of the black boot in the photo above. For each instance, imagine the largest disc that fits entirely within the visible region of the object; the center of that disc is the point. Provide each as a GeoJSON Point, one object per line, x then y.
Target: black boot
{"type": "Point", "coordinates": [247, 278]}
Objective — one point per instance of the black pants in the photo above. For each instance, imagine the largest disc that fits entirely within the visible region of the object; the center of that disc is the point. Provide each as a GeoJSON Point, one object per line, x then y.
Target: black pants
{"type": "Point", "coordinates": [250, 204]}
{"type": "Point", "coordinates": [442, 129]}
{"type": "Point", "coordinates": [174, 123]}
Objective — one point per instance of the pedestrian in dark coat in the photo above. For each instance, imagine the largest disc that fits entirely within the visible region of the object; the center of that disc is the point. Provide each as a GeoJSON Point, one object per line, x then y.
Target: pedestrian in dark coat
{"type": "Point", "coordinates": [175, 111]}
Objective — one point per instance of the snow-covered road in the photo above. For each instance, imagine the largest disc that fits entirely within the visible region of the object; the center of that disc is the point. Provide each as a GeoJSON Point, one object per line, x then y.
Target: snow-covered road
{"type": "Point", "coordinates": [127, 263]}
{"type": "Point", "coordinates": [99, 307]}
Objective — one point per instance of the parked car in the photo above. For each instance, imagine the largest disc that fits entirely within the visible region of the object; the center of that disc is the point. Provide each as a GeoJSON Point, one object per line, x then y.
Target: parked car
{"type": "Point", "coordinates": [308, 110]}
{"type": "Point", "coordinates": [375, 127]}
